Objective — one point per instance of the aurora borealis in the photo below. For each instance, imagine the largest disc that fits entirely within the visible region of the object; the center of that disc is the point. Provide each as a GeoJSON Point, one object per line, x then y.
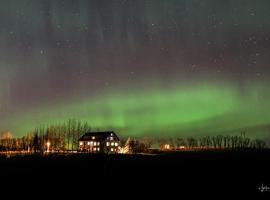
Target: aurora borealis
{"type": "Point", "coordinates": [170, 68]}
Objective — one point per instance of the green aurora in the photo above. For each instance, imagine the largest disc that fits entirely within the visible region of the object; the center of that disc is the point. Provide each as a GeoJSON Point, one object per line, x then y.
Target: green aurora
{"type": "Point", "coordinates": [175, 111]}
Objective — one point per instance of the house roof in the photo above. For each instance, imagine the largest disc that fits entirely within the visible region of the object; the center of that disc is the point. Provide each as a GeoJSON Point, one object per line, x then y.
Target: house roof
{"type": "Point", "coordinates": [98, 135]}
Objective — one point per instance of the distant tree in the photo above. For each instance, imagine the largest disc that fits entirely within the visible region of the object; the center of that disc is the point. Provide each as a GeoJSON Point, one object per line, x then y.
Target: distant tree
{"type": "Point", "coordinates": [259, 144]}
{"type": "Point", "coordinates": [181, 142]}
{"type": "Point", "coordinates": [36, 143]}
{"type": "Point", "coordinates": [131, 145]}
{"type": "Point", "coordinates": [191, 142]}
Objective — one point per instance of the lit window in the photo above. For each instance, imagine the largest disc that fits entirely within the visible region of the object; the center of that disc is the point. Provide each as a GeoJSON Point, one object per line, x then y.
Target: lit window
{"type": "Point", "coordinates": [112, 143]}
{"type": "Point", "coordinates": [88, 143]}
{"type": "Point", "coordinates": [81, 143]}
{"type": "Point", "coordinates": [167, 146]}
{"type": "Point", "coordinates": [91, 142]}
{"type": "Point", "coordinates": [112, 149]}
{"type": "Point", "coordinates": [95, 144]}
{"type": "Point", "coordinates": [98, 143]}
{"type": "Point", "coordinates": [98, 149]}
{"type": "Point", "coordinates": [116, 144]}
{"type": "Point", "coordinates": [93, 137]}
{"type": "Point", "coordinates": [111, 138]}
{"type": "Point", "coordinates": [108, 144]}
{"type": "Point", "coordinates": [94, 149]}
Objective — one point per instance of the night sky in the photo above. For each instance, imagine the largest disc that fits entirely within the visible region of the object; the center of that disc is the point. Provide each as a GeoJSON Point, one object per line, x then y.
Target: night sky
{"type": "Point", "coordinates": [138, 67]}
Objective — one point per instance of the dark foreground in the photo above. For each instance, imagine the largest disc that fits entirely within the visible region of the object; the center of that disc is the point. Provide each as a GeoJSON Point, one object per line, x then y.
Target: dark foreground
{"type": "Point", "coordinates": [221, 172]}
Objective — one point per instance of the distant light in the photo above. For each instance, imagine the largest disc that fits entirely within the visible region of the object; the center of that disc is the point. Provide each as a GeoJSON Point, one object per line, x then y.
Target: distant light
{"type": "Point", "coordinates": [81, 143]}
{"type": "Point", "coordinates": [93, 137]}
{"type": "Point", "coordinates": [108, 144]}
{"type": "Point", "coordinates": [167, 146]}
{"type": "Point", "coordinates": [48, 146]}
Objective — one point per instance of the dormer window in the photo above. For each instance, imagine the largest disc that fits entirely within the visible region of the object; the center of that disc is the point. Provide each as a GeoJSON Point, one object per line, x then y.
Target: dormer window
{"type": "Point", "coordinates": [93, 137]}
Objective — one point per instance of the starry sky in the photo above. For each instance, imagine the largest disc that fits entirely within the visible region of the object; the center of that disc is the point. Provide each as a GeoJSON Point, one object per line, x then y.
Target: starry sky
{"type": "Point", "coordinates": [139, 67]}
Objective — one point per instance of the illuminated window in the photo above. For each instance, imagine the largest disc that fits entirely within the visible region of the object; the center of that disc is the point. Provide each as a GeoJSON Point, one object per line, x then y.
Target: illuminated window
{"type": "Point", "coordinates": [95, 144]}
{"type": "Point", "coordinates": [98, 143]}
{"type": "Point", "coordinates": [91, 142]}
{"type": "Point", "coordinates": [81, 143]}
{"type": "Point", "coordinates": [111, 138]}
{"type": "Point", "coordinates": [116, 144]}
{"type": "Point", "coordinates": [94, 149]}
{"type": "Point", "coordinates": [112, 143]}
{"type": "Point", "coordinates": [98, 149]}
{"type": "Point", "coordinates": [167, 146]}
{"type": "Point", "coordinates": [107, 144]}
{"type": "Point", "coordinates": [93, 137]}
{"type": "Point", "coordinates": [88, 143]}
{"type": "Point", "coordinates": [112, 149]}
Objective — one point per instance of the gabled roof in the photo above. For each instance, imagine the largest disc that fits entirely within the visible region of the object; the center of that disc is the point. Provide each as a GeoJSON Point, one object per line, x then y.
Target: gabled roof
{"type": "Point", "coordinates": [98, 135]}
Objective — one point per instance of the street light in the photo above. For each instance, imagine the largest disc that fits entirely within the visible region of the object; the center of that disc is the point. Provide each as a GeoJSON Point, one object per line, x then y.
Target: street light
{"type": "Point", "coordinates": [48, 146]}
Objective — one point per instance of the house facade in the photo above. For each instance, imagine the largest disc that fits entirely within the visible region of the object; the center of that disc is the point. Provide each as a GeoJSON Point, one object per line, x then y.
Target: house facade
{"type": "Point", "coordinates": [99, 142]}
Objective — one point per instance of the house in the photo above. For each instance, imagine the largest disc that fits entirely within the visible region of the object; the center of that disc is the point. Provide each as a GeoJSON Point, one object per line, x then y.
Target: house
{"type": "Point", "coordinates": [102, 142]}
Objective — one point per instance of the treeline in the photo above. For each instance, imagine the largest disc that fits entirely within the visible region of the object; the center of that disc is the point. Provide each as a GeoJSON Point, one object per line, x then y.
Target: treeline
{"type": "Point", "coordinates": [58, 138]}
{"type": "Point", "coordinates": [215, 142]}
{"type": "Point", "coordinates": [208, 142]}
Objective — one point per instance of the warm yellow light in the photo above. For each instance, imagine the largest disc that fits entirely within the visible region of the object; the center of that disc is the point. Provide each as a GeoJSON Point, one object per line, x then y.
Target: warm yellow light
{"type": "Point", "coordinates": [167, 146]}
{"type": "Point", "coordinates": [81, 143]}
{"type": "Point", "coordinates": [108, 144]}
{"type": "Point", "coordinates": [48, 146]}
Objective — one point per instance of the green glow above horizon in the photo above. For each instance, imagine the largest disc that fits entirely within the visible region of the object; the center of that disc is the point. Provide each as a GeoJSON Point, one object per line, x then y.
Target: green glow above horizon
{"type": "Point", "coordinates": [196, 110]}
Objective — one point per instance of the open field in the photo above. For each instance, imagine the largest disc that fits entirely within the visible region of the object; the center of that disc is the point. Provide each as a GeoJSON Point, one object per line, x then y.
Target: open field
{"type": "Point", "coordinates": [242, 171]}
